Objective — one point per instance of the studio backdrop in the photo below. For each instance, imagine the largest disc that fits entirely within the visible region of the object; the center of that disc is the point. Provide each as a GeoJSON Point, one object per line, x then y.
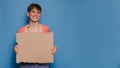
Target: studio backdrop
{"type": "Point", "coordinates": [87, 32]}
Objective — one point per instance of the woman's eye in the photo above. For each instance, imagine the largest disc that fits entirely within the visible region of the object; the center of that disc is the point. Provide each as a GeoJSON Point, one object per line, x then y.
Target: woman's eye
{"type": "Point", "coordinates": [33, 11]}
{"type": "Point", "coordinates": [38, 12]}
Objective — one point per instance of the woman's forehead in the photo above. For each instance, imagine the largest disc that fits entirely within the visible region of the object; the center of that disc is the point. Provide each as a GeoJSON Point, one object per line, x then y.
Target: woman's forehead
{"type": "Point", "coordinates": [35, 9]}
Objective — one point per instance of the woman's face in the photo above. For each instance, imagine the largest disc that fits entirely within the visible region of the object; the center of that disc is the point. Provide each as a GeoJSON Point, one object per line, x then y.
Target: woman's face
{"type": "Point", "coordinates": [34, 15]}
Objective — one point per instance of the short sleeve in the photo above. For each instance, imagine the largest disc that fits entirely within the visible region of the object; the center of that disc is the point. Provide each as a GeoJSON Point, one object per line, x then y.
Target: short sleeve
{"type": "Point", "coordinates": [21, 30]}
{"type": "Point", "coordinates": [45, 28]}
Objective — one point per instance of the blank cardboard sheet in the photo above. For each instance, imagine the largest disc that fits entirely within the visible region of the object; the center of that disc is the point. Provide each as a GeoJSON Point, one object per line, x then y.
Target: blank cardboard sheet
{"type": "Point", "coordinates": [34, 47]}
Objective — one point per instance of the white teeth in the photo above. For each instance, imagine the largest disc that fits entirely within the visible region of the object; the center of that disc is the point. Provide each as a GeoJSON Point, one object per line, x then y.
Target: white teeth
{"type": "Point", "coordinates": [34, 17]}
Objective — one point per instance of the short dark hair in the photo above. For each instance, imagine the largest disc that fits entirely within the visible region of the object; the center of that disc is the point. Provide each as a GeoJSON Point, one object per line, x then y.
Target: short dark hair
{"type": "Point", "coordinates": [34, 5]}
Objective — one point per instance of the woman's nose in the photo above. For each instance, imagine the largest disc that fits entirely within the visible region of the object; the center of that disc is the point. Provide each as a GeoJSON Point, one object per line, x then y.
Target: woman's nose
{"type": "Point", "coordinates": [35, 13]}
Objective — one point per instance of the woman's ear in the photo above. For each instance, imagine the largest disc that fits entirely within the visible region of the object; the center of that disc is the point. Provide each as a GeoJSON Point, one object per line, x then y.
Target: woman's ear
{"type": "Point", "coordinates": [28, 14]}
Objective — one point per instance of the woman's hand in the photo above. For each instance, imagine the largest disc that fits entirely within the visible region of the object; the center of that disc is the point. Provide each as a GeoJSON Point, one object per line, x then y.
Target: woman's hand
{"type": "Point", "coordinates": [54, 50]}
{"type": "Point", "coordinates": [16, 49]}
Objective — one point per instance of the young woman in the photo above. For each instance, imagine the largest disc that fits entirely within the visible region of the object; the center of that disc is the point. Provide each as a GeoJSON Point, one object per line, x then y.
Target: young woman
{"type": "Point", "coordinates": [34, 14]}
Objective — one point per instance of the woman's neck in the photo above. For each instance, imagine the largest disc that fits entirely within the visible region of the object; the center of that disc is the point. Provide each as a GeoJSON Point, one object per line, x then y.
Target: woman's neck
{"type": "Point", "coordinates": [34, 24]}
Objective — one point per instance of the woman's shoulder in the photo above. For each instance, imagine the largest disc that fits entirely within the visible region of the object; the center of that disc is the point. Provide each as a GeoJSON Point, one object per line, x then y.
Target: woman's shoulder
{"type": "Point", "coordinates": [45, 28]}
{"type": "Point", "coordinates": [22, 29]}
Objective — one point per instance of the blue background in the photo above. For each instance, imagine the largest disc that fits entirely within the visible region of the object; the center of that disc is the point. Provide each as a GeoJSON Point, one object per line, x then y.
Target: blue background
{"type": "Point", "coordinates": [87, 32]}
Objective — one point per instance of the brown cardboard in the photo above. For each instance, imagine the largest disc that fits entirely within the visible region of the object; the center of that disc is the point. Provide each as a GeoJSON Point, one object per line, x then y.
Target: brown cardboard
{"type": "Point", "coordinates": [34, 47]}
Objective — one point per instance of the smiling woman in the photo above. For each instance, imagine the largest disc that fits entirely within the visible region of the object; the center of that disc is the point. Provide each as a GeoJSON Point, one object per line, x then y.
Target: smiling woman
{"type": "Point", "coordinates": [34, 13]}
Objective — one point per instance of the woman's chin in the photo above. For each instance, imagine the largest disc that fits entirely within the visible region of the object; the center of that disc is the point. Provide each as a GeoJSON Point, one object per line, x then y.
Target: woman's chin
{"type": "Point", "coordinates": [35, 21]}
